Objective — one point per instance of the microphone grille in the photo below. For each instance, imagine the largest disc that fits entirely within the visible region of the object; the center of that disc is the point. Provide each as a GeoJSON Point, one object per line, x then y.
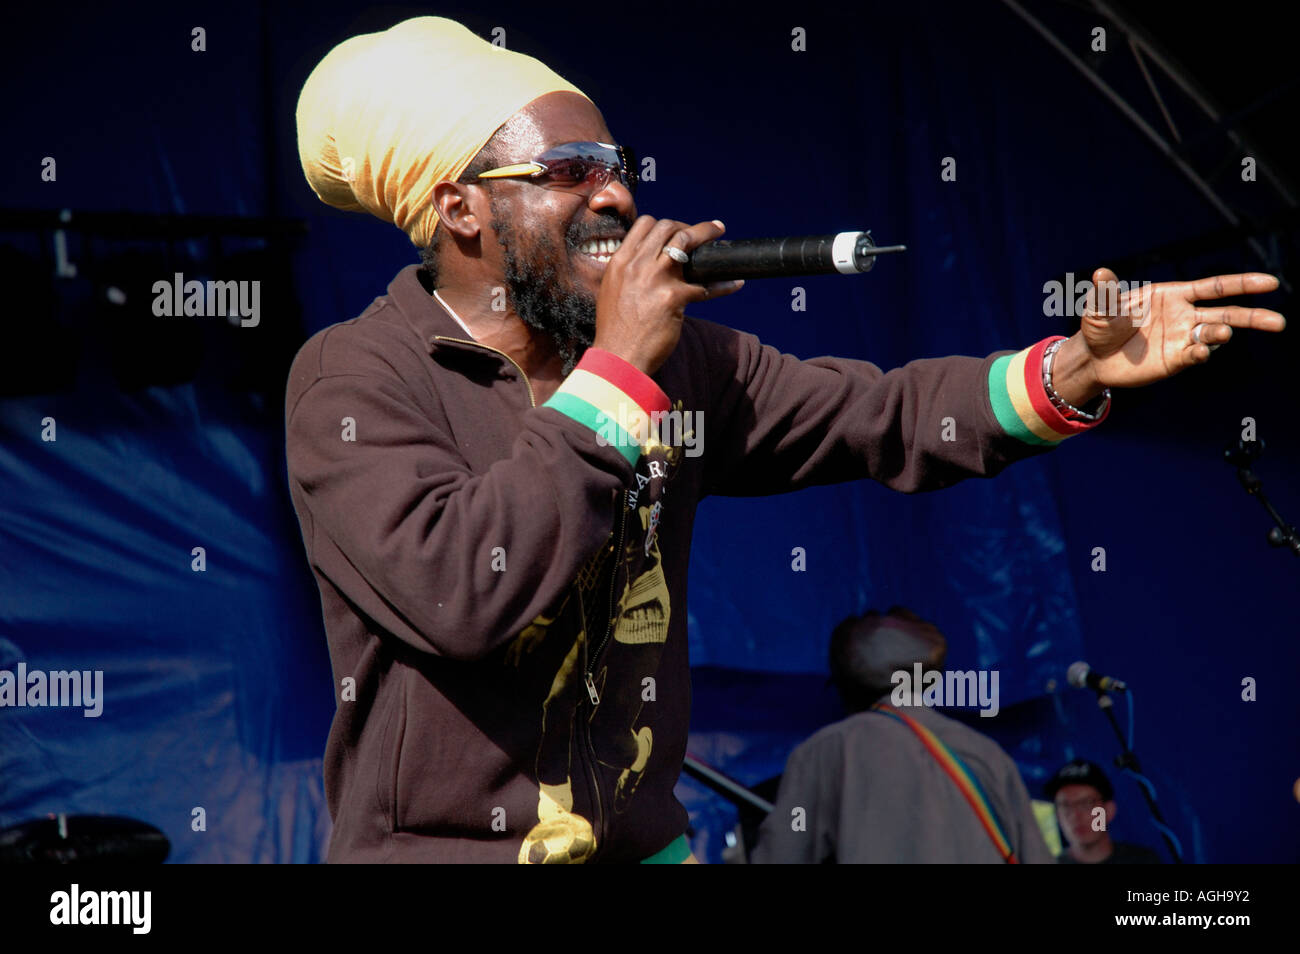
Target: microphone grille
{"type": "Point", "coordinates": [1077, 674]}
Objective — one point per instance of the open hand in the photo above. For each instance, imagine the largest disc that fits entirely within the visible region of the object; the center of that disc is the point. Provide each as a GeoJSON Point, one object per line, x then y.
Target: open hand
{"type": "Point", "coordinates": [1154, 331]}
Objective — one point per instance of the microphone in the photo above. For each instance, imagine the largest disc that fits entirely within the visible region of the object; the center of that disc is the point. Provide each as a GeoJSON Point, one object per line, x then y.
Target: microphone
{"type": "Point", "coordinates": [845, 253]}
{"type": "Point", "coordinates": [1081, 676]}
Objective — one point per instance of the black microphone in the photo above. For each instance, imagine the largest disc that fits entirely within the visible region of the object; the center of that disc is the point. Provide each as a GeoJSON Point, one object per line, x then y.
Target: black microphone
{"type": "Point", "coordinates": [845, 253]}
{"type": "Point", "coordinates": [1081, 676]}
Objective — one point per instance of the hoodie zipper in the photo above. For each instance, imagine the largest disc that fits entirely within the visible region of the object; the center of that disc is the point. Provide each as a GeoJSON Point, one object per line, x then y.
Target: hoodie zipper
{"type": "Point", "coordinates": [478, 344]}
{"type": "Point", "coordinates": [613, 582]}
{"type": "Point", "coordinates": [588, 663]}
{"type": "Point", "coordinates": [588, 660]}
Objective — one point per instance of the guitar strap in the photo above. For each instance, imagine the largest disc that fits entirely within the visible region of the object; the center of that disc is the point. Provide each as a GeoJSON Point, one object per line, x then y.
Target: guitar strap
{"type": "Point", "coordinates": [961, 776]}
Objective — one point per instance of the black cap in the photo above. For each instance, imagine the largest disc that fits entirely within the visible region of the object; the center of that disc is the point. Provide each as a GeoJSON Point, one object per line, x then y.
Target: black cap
{"type": "Point", "coordinates": [1080, 772]}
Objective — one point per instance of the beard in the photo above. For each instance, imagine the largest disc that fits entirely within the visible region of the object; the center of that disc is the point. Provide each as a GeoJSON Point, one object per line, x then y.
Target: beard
{"type": "Point", "coordinates": [540, 289]}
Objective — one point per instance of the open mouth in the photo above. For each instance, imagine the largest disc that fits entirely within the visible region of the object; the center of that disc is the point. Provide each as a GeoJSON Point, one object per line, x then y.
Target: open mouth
{"type": "Point", "coordinates": [601, 250]}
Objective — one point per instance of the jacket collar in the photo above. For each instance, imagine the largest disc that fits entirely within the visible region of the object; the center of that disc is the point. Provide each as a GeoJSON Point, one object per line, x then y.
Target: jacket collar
{"type": "Point", "coordinates": [426, 316]}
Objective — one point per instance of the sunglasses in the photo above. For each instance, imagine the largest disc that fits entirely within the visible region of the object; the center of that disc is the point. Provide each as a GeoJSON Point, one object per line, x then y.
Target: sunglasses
{"type": "Point", "coordinates": [579, 167]}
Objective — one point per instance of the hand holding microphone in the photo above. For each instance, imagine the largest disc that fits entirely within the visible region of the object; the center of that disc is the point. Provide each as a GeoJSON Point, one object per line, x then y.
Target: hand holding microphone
{"type": "Point", "coordinates": [660, 265]}
{"type": "Point", "coordinates": [640, 307]}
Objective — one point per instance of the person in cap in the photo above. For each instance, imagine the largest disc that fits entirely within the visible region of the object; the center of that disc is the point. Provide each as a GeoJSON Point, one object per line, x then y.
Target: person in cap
{"type": "Point", "coordinates": [1085, 808]}
{"type": "Point", "coordinates": [897, 783]}
{"type": "Point", "coordinates": [496, 465]}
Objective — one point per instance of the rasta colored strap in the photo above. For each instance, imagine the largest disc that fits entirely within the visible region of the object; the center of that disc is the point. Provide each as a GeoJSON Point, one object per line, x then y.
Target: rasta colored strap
{"type": "Point", "coordinates": [962, 777]}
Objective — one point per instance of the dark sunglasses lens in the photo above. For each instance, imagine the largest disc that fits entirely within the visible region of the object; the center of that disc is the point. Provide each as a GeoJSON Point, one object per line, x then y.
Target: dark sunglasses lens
{"type": "Point", "coordinates": [569, 172]}
{"type": "Point", "coordinates": [573, 173]}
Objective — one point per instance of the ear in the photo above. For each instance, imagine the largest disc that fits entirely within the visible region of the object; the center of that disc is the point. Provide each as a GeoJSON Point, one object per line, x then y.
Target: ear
{"type": "Point", "coordinates": [1111, 810]}
{"type": "Point", "coordinates": [455, 203]}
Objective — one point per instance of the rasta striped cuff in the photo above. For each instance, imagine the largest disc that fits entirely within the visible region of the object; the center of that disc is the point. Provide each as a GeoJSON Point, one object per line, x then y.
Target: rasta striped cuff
{"type": "Point", "coordinates": [614, 399]}
{"type": "Point", "coordinates": [675, 854]}
{"type": "Point", "coordinates": [1020, 401]}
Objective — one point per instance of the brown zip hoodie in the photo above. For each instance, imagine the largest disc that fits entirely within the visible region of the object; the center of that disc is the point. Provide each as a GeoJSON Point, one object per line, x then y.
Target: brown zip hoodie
{"type": "Point", "coordinates": [504, 586]}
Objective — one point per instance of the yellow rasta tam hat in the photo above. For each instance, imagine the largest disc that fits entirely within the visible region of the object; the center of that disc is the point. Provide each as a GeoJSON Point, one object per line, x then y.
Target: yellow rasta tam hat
{"type": "Point", "coordinates": [386, 116]}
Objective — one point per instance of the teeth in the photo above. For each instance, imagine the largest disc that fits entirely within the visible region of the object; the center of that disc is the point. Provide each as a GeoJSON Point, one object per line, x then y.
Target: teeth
{"type": "Point", "coordinates": [600, 248]}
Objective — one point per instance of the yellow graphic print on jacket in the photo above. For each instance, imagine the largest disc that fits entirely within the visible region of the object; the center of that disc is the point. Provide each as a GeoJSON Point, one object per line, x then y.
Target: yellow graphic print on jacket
{"type": "Point", "coordinates": [640, 629]}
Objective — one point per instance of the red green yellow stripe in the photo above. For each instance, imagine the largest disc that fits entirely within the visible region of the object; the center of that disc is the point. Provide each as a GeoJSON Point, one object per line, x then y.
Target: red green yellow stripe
{"type": "Point", "coordinates": [969, 786]}
{"type": "Point", "coordinates": [631, 381]}
{"type": "Point", "coordinates": [613, 398]}
{"type": "Point", "coordinates": [1020, 401]}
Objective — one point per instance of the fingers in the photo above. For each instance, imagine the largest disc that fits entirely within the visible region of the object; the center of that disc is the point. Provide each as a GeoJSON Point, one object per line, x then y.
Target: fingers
{"type": "Point", "coordinates": [693, 237]}
{"type": "Point", "coordinates": [1258, 319]}
{"type": "Point", "coordinates": [1103, 294]}
{"type": "Point", "coordinates": [1226, 286]}
{"type": "Point", "coordinates": [661, 234]}
{"type": "Point", "coordinates": [698, 234]}
{"type": "Point", "coordinates": [714, 290]}
{"type": "Point", "coordinates": [644, 248]}
{"type": "Point", "coordinates": [1211, 333]}
{"type": "Point", "coordinates": [1104, 276]}
{"type": "Point", "coordinates": [633, 240]}
{"type": "Point", "coordinates": [1212, 327]}
{"type": "Point", "coordinates": [640, 227]}
{"type": "Point", "coordinates": [669, 232]}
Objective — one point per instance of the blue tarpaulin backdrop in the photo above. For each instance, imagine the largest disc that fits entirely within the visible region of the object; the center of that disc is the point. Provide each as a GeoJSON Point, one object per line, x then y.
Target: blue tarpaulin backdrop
{"type": "Point", "coordinates": [217, 683]}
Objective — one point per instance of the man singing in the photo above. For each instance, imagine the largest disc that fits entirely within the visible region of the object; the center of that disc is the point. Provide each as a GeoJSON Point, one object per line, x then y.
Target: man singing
{"type": "Point", "coordinates": [495, 511]}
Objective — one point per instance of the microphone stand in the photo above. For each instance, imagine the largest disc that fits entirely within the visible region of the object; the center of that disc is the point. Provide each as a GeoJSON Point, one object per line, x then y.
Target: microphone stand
{"type": "Point", "coordinates": [724, 785]}
{"type": "Point", "coordinates": [1241, 456]}
{"type": "Point", "coordinates": [1129, 760]}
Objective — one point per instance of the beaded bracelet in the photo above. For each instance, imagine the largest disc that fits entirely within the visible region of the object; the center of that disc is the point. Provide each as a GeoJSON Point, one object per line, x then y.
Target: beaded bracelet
{"type": "Point", "coordinates": [1061, 404]}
